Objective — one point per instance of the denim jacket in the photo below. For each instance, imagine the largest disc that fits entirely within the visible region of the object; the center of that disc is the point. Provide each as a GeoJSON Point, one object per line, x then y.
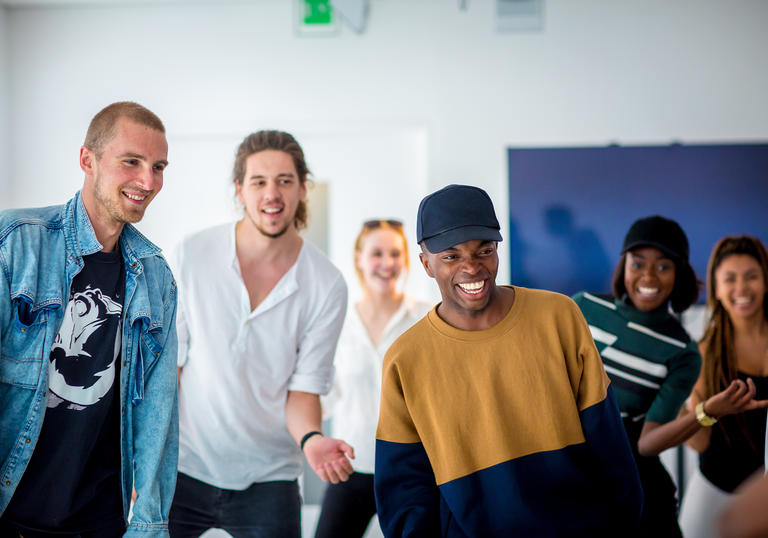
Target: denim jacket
{"type": "Point", "coordinates": [41, 251]}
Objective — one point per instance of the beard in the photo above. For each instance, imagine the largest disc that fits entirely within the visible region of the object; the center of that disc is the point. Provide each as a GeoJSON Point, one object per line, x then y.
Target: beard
{"type": "Point", "coordinates": [262, 231]}
{"type": "Point", "coordinates": [111, 204]}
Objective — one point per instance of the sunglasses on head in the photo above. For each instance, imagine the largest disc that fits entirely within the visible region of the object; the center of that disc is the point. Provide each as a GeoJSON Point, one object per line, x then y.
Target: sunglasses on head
{"type": "Point", "coordinates": [377, 223]}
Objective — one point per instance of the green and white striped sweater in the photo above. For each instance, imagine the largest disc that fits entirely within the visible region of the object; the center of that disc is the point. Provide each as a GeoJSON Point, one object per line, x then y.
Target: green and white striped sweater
{"type": "Point", "coordinates": [651, 360]}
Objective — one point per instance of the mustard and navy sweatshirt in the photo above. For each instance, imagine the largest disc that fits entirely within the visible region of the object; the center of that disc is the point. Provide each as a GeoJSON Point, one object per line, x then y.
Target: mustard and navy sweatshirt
{"type": "Point", "coordinates": [509, 431]}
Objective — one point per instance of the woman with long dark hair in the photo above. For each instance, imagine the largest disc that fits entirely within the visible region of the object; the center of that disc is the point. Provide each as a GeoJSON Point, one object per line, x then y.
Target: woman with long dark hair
{"type": "Point", "coordinates": [734, 350]}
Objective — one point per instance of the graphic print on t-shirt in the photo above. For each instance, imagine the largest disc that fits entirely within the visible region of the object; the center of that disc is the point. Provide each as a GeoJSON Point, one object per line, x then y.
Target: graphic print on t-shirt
{"type": "Point", "coordinates": [79, 375]}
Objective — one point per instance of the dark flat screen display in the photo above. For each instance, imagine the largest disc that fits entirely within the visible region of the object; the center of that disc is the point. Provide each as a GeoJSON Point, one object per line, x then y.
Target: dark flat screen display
{"type": "Point", "coordinates": [569, 208]}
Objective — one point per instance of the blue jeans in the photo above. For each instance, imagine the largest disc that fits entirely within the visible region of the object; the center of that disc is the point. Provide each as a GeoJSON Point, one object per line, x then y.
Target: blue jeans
{"type": "Point", "coordinates": [264, 510]}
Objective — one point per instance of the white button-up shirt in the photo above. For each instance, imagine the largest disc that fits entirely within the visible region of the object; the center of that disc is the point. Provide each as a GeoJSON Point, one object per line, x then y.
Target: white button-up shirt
{"type": "Point", "coordinates": [238, 365]}
{"type": "Point", "coordinates": [354, 401]}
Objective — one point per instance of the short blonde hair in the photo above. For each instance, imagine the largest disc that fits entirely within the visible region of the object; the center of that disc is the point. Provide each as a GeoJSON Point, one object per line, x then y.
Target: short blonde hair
{"type": "Point", "coordinates": [102, 127]}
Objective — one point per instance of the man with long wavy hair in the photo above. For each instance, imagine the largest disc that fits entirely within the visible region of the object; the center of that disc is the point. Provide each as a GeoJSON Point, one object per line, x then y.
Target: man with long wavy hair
{"type": "Point", "coordinates": [261, 312]}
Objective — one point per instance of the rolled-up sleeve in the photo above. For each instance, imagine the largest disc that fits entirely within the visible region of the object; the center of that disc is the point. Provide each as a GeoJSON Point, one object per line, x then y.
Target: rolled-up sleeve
{"type": "Point", "coordinates": [317, 344]}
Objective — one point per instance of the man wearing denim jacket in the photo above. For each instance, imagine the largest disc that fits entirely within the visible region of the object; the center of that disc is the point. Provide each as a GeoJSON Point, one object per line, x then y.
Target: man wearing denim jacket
{"type": "Point", "coordinates": [88, 348]}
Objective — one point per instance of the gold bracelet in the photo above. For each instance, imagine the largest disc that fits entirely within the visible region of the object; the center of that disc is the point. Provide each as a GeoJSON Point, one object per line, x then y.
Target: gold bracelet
{"type": "Point", "coordinates": [702, 417]}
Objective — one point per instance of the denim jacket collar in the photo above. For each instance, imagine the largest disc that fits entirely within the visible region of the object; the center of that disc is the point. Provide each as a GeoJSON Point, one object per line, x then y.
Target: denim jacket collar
{"type": "Point", "coordinates": [81, 237]}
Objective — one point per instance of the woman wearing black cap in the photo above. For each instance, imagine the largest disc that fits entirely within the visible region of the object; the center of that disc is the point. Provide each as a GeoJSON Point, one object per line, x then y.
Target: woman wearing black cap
{"type": "Point", "coordinates": [651, 360]}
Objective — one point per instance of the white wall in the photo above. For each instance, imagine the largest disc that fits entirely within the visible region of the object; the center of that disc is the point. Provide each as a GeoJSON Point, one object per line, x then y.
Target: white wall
{"type": "Point", "coordinates": [601, 71]}
{"type": "Point", "coordinates": [5, 200]}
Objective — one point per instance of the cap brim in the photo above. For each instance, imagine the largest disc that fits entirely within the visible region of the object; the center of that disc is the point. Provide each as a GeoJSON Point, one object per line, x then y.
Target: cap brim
{"type": "Point", "coordinates": [663, 248]}
{"type": "Point", "coordinates": [451, 238]}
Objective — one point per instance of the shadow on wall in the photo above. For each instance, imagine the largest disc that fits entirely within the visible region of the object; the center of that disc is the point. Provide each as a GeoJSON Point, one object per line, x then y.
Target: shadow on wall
{"type": "Point", "coordinates": [567, 258]}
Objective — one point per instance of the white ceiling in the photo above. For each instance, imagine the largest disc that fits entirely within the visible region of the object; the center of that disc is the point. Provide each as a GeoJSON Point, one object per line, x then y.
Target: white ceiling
{"type": "Point", "coordinates": [66, 3]}
{"type": "Point", "coordinates": [69, 3]}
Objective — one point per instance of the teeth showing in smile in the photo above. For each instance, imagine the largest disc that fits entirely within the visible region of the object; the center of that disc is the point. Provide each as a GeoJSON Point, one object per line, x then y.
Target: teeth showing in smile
{"type": "Point", "coordinates": [272, 210]}
{"type": "Point", "coordinates": [472, 287]}
{"type": "Point", "coordinates": [647, 291]}
{"type": "Point", "coordinates": [137, 197]}
{"type": "Point", "coordinates": [742, 300]}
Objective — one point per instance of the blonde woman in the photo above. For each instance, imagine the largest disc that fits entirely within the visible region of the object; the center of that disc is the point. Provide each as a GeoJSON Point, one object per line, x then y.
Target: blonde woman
{"type": "Point", "coordinates": [371, 325]}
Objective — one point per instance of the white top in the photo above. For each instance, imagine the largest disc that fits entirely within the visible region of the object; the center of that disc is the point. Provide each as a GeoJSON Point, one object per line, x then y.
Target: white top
{"type": "Point", "coordinates": [354, 401]}
{"type": "Point", "coordinates": [238, 364]}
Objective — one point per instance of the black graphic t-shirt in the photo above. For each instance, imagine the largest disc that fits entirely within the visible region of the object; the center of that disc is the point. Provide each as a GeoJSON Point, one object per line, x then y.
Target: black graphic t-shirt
{"type": "Point", "coordinates": [72, 483]}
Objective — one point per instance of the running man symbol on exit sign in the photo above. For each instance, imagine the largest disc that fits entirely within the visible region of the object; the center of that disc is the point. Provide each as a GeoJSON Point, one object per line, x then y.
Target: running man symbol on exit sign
{"type": "Point", "coordinates": [317, 12]}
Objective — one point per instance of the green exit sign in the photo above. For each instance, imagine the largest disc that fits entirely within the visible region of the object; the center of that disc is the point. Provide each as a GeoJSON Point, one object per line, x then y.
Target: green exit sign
{"type": "Point", "coordinates": [318, 13]}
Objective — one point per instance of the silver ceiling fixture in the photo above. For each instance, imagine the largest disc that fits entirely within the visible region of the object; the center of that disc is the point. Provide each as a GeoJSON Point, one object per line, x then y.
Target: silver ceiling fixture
{"type": "Point", "coordinates": [353, 12]}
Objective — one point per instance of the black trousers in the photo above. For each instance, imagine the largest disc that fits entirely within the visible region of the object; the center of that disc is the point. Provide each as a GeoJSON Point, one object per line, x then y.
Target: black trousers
{"type": "Point", "coordinates": [264, 510]}
{"type": "Point", "coordinates": [347, 508]}
{"type": "Point", "coordinates": [659, 516]}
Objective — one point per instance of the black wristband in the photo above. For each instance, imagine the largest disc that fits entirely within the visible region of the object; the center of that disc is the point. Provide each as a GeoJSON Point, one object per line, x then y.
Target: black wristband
{"type": "Point", "coordinates": [306, 438]}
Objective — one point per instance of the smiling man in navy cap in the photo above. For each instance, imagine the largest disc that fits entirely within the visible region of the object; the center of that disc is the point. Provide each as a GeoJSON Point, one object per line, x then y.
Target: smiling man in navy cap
{"type": "Point", "coordinates": [497, 418]}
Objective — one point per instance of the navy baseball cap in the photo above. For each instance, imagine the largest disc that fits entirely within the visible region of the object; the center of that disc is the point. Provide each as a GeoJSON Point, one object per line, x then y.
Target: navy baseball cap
{"type": "Point", "coordinates": [455, 214]}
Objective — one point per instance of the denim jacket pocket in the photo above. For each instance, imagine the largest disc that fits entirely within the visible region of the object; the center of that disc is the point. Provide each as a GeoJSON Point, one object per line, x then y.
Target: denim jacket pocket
{"type": "Point", "coordinates": [149, 340]}
{"type": "Point", "coordinates": [149, 352]}
{"type": "Point", "coordinates": [23, 348]}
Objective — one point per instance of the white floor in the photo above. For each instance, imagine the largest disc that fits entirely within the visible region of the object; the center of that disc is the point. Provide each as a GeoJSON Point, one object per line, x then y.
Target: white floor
{"type": "Point", "coordinates": [309, 515]}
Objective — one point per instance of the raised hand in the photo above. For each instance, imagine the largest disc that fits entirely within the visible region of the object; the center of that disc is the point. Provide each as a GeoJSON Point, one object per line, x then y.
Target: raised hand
{"type": "Point", "coordinates": [329, 458]}
{"type": "Point", "coordinates": [736, 398]}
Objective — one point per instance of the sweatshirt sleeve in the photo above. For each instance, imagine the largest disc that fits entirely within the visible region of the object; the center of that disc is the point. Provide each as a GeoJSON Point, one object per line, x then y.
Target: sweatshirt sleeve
{"type": "Point", "coordinates": [604, 432]}
{"type": "Point", "coordinates": [407, 498]}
